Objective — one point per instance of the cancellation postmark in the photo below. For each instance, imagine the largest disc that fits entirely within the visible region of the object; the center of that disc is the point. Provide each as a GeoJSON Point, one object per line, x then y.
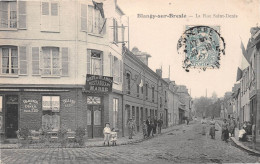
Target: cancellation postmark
{"type": "Point", "coordinates": [201, 47]}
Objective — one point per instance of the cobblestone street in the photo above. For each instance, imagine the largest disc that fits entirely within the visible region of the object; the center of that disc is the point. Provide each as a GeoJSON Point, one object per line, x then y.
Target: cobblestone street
{"type": "Point", "coordinates": [185, 145]}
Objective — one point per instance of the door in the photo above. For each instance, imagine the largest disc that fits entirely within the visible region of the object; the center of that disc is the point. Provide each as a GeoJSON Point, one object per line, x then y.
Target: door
{"type": "Point", "coordinates": [95, 121]}
{"type": "Point", "coordinates": [11, 118]}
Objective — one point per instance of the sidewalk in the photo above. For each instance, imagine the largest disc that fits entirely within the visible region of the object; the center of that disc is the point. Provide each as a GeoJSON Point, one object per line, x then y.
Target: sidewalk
{"type": "Point", "coordinates": [247, 146]}
{"type": "Point", "coordinates": [98, 142]}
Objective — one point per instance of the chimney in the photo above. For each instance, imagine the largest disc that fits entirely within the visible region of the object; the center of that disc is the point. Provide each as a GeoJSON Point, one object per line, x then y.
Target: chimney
{"type": "Point", "coordinates": [159, 72]}
{"type": "Point", "coordinates": [143, 56]}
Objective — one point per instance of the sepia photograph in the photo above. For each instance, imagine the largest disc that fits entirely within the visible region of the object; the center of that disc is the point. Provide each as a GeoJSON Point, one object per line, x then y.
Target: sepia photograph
{"type": "Point", "coordinates": [129, 81]}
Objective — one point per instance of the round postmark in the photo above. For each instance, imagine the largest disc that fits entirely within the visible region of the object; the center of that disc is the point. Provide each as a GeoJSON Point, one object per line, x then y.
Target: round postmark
{"type": "Point", "coordinates": [201, 47]}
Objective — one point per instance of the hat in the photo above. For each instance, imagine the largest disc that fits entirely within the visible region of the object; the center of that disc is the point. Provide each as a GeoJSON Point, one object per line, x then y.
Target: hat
{"type": "Point", "coordinates": [107, 123]}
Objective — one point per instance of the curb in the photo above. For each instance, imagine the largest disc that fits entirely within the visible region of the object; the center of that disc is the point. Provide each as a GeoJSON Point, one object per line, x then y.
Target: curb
{"type": "Point", "coordinates": [245, 148]}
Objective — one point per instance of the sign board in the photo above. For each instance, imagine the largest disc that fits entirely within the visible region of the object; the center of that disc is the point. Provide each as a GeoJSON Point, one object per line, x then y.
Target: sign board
{"type": "Point", "coordinates": [97, 83]}
{"type": "Point", "coordinates": [30, 105]}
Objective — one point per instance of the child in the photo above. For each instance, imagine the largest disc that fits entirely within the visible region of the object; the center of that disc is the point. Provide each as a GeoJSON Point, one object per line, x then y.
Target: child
{"type": "Point", "coordinates": [144, 129]}
{"type": "Point", "coordinates": [106, 133]}
{"type": "Point", "coordinates": [113, 137]}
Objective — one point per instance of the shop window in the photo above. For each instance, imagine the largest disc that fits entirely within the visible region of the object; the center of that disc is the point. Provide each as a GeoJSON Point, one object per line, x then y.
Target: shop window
{"type": "Point", "coordinates": [94, 62]}
{"type": "Point", "coordinates": [51, 113]}
{"type": "Point", "coordinates": [115, 112]}
{"type": "Point", "coordinates": [50, 20]}
{"type": "Point", "coordinates": [13, 60]}
{"type": "Point", "coordinates": [95, 21]}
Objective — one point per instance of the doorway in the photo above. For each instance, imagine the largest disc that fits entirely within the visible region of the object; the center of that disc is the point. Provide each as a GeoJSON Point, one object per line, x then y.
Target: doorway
{"type": "Point", "coordinates": [11, 116]}
{"type": "Point", "coordinates": [95, 121]}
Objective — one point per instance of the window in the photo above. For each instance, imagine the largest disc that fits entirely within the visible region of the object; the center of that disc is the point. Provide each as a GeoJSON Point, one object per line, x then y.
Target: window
{"type": "Point", "coordinates": [50, 16]}
{"type": "Point", "coordinates": [133, 112]}
{"type": "Point", "coordinates": [137, 90]}
{"type": "Point", "coordinates": [116, 71]}
{"type": "Point", "coordinates": [152, 94]}
{"type": "Point", "coordinates": [160, 102]}
{"type": "Point", "coordinates": [1, 114]}
{"type": "Point", "coordinates": [95, 21]}
{"type": "Point", "coordinates": [146, 91]}
{"type": "Point", "coordinates": [8, 14]}
{"type": "Point", "coordinates": [115, 112]}
{"type": "Point", "coordinates": [128, 80]}
{"type": "Point", "coordinates": [165, 95]}
{"type": "Point", "coordinates": [83, 17]}
{"type": "Point", "coordinates": [95, 62]}
{"type": "Point", "coordinates": [13, 60]}
{"type": "Point", "coordinates": [51, 109]}
{"type": "Point", "coordinates": [51, 61]}
{"type": "Point", "coordinates": [115, 31]}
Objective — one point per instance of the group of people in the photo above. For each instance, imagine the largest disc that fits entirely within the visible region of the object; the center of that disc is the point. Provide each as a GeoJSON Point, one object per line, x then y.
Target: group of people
{"type": "Point", "coordinates": [150, 125]}
{"type": "Point", "coordinates": [228, 127]}
{"type": "Point", "coordinates": [109, 135]}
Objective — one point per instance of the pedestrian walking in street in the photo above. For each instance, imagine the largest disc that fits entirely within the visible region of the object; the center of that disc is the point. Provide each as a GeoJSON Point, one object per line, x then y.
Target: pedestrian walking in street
{"type": "Point", "coordinates": [232, 126]}
{"type": "Point", "coordinates": [144, 127]}
{"type": "Point", "coordinates": [187, 120]}
{"type": "Point", "coordinates": [160, 123]}
{"type": "Point", "coordinates": [149, 126]}
{"type": "Point", "coordinates": [225, 133]}
{"type": "Point", "coordinates": [212, 123]}
{"type": "Point", "coordinates": [152, 126]}
{"type": "Point", "coordinates": [113, 137]}
{"type": "Point", "coordinates": [203, 123]}
{"type": "Point", "coordinates": [242, 135]}
{"type": "Point", "coordinates": [134, 126]}
{"type": "Point", "coordinates": [130, 126]}
{"type": "Point", "coordinates": [106, 132]}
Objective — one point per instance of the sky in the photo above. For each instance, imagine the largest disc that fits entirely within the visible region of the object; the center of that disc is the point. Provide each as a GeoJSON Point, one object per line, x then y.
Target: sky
{"type": "Point", "coordinates": [158, 37]}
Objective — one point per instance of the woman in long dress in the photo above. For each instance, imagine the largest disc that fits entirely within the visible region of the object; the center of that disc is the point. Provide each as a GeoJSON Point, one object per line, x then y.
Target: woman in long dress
{"type": "Point", "coordinates": [204, 123]}
{"type": "Point", "coordinates": [225, 133]}
{"type": "Point", "coordinates": [212, 123]}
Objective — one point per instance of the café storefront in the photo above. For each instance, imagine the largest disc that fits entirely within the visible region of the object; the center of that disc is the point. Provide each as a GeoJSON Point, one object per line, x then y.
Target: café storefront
{"type": "Point", "coordinates": [102, 104]}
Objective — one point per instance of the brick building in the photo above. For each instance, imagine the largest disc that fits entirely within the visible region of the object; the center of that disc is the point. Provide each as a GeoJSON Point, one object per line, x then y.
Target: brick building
{"type": "Point", "coordinates": [144, 90]}
{"type": "Point", "coordinates": [48, 56]}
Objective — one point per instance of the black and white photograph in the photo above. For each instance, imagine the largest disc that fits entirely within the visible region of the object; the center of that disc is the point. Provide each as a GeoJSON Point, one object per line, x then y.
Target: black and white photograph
{"type": "Point", "coordinates": [129, 81]}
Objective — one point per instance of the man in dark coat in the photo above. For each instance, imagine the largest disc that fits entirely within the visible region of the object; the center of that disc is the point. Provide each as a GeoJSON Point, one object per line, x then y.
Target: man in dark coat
{"type": "Point", "coordinates": [160, 123]}
{"type": "Point", "coordinates": [155, 122]}
{"type": "Point", "coordinates": [149, 127]}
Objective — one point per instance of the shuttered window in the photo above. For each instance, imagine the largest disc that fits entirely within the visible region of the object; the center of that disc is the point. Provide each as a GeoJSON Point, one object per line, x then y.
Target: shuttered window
{"type": "Point", "coordinates": [50, 20]}
{"type": "Point", "coordinates": [8, 14]}
{"type": "Point", "coordinates": [84, 17]}
{"type": "Point", "coordinates": [95, 21]}
{"type": "Point", "coordinates": [115, 31]}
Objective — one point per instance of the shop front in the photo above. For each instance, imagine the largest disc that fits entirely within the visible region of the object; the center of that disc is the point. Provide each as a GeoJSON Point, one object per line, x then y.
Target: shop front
{"type": "Point", "coordinates": [96, 96]}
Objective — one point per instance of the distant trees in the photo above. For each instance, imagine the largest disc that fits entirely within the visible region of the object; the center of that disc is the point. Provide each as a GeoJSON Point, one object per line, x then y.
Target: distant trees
{"type": "Point", "coordinates": [208, 106]}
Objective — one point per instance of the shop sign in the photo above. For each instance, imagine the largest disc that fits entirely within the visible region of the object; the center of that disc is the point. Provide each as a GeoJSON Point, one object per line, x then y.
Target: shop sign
{"type": "Point", "coordinates": [31, 105]}
{"type": "Point", "coordinates": [98, 83]}
{"type": "Point", "coordinates": [68, 102]}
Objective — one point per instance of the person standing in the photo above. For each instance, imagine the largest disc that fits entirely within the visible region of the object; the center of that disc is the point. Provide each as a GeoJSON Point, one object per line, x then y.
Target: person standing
{"type": "Point", "coordinates": [106, 133]}
{"type": "Point", "coordinates": [149, 128]}
{"type": "Point", "coordinates": [225, 133]}
{"type": "Point", "coordinates": [160, 123]}
{"type": "Point", "coordinates": [232, 127]}
{"type": "Point", "coordinates": [152, 126]}
{"type": "Point", "coordinates": [212, 123]}
{"type": "Point", "coordinates": [204, 123]}
{"type": "Point", "coordinates": [155, 122]}
{"type": "Point", "coordinates": [130, 128]}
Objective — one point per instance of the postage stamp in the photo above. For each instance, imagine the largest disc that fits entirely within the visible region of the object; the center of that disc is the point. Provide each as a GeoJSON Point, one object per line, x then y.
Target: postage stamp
{"type": "Point", "coordinates": [201, 47]}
